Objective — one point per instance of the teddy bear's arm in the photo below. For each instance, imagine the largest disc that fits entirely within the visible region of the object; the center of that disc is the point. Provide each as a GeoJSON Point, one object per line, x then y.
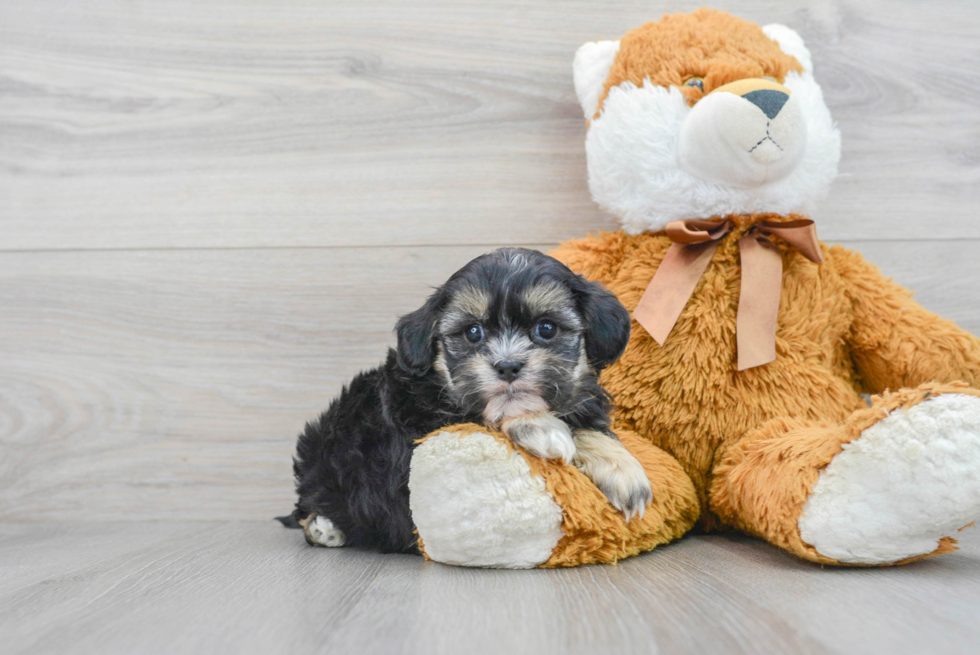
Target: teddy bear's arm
{"type": "Point", "coordinates": [894, 341]}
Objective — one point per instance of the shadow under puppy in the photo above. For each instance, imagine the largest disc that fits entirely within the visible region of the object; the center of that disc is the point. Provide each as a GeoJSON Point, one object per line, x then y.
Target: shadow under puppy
{"type": "Point", "coordinates": [513, 340]}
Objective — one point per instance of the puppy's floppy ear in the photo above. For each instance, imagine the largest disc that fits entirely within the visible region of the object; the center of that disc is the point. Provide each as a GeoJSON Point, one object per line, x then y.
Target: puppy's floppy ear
{"type": "Point", "coordinates": [607, 323]}
{"type": "Point", "coordinates": [416, 345]}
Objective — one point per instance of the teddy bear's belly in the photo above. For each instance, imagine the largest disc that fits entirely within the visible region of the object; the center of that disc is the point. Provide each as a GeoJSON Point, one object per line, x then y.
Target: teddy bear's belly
{"type": "Point", "coordinates": [687, 396]}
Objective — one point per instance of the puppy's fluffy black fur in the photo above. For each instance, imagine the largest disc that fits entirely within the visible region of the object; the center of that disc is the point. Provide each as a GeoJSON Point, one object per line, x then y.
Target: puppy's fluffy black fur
{"type": "Point", "coordinates": [352, 463]}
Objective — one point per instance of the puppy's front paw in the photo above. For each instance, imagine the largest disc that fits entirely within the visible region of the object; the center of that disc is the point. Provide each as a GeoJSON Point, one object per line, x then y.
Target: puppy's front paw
{"type": "Point", "coordinates": [542, 435]}
{"type": "Point", "coordinates": [614, 470]}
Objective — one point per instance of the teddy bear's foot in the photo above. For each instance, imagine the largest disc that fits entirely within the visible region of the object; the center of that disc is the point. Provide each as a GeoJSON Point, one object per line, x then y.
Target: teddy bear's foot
{"type": "Point", "coordinates": [897, 491]}
{"type": "Point", "coordinates": [475, 502]}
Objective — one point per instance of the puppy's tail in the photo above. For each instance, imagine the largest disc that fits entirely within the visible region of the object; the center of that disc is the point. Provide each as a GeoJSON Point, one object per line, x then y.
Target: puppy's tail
{"type": "Point", "coordinates": [289, 521]}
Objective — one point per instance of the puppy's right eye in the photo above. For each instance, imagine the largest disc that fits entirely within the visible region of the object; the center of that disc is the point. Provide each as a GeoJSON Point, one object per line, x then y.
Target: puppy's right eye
{"type": "Point", "coordinates": [474, 334]}
{"type": "Point", "coordinates": [546, 330]}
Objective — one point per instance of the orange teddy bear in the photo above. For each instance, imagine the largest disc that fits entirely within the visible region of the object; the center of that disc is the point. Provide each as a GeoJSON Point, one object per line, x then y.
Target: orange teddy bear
{"type": "Point", "coordinates": [741, 388]}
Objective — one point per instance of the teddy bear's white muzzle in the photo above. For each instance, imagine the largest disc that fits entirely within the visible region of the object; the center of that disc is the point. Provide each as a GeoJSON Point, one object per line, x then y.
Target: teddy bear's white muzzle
{"type": "Point", "coordinates": [743, 139]}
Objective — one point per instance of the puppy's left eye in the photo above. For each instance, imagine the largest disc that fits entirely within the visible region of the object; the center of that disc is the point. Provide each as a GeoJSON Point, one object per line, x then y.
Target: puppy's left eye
{"type": "Point", "coordinates": [546, 330]}
{"type": "Point", "coordinates": [474, 334]}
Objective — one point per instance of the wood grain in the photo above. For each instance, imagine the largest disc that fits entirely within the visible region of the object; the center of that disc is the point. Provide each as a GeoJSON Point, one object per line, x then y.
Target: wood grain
{"type": "Point", "coordinates": [171, 384]}
{"type": "Point", "coordinates": [112, 588]}
{"type": "Point", "coordinates": [211, 214]}
{"type": "Point", "coordinates": [221, 124]}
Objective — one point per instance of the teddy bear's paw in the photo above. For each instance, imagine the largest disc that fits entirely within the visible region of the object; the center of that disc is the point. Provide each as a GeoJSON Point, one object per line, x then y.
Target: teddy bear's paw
{"type": "Point", "coordinates": [320, 531]}
{"type": "Point", "coordinates": [614, 470]}
{"type": "Point", "coordinates": [543, 435]}
{"type": "Point", "coordinates": [475, 502]}
{"type": "Point", "coordinates": [906, 482]}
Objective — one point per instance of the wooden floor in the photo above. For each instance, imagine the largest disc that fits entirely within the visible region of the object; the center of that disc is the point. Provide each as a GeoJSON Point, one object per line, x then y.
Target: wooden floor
{"type": "Point", "coordinates": [176, 587]}
{"type": "Point", "coordinates": [211, 213]}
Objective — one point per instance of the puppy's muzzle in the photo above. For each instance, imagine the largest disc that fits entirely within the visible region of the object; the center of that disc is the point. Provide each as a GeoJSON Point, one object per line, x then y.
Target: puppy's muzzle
{"type": "Point", "coordinates": [508, 370]}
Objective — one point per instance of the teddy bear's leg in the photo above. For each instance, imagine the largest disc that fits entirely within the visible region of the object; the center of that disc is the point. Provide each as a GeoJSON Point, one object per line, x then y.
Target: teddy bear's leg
{"type": "Point", "coordinates": [889, 485]}
{"type": "Point", "coordinates": [478, 500]}
{"type": "Point", "coordinates": [475, 502]}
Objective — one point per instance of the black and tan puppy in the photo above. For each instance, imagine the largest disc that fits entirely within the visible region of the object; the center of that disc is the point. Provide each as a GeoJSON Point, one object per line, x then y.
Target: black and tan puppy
{"type": "Point", "coordinates": [513, 340]}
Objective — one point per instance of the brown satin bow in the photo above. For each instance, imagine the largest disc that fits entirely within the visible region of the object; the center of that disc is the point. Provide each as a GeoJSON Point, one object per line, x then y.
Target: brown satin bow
{"type": "Point", "coordinates": [694, 243]}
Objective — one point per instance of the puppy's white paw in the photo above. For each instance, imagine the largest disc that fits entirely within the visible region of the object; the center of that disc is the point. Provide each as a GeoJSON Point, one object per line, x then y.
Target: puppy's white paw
{"type": "Point", "coordinates": [614, 470]}
{"type": "Point", "coordinates": [323, 532]}
{"type": "Point", "coordinates": [542, 435]}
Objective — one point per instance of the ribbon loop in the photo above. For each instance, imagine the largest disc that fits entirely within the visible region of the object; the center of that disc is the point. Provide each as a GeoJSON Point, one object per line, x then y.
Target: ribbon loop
{"type": "Point", "coordinates": [801, 234]}
{"type": "Point", "coordinates": [694, 244]}
{"type": "Point", "coordinates": [698, 231]}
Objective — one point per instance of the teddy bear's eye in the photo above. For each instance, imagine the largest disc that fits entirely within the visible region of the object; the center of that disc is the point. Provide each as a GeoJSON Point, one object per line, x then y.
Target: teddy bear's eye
{"type": "Point", "coordinates": [695, 82]}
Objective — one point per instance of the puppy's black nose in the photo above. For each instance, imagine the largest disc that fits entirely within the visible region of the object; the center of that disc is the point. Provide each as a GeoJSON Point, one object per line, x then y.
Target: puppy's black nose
{"type": "Point", "coordinates": [508, 370]}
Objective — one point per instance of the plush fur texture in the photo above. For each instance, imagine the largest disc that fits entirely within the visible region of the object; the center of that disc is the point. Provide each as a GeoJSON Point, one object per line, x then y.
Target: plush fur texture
{"type": "Point", "coordinates": [844, 329]}
{"type": "Point", "coordinates": [512, 520]}
{"type": "Point", "coordinates": [514, 339]}
{"type": "Point", "coordinates": [871, 513]}
{"type": "Point", "coordinates": [874, 502]}
{"type": "Point", "coordinates": [789, 451]}
{"type": "Point", "coordinates": [633, 143]}
{"type": "Point", "coordinates": [592, 64]}
{"type": "Point", "coordinates": [711, 45]}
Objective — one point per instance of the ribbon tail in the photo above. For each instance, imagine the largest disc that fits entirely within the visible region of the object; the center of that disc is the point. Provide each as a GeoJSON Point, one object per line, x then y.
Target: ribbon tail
{"type": "Point", "coordinates": [758, 302]}
{"type": "Point", "coordinates": [671, 287]}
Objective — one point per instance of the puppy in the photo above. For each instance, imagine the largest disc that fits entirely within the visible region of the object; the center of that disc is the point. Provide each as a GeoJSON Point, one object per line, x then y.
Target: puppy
{"type": "Point", "coordinates": [513, 340]}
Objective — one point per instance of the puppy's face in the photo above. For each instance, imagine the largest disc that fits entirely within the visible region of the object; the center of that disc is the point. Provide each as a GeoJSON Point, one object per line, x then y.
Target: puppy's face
{"type": "Point", "coordinates": [514, 333]}
{"type": "Point", "coordinates": [511, 348]}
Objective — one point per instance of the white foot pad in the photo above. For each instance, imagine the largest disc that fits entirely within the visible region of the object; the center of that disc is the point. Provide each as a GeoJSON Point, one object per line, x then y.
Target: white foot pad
{"type": "Point", "coordinates": [476, 503]}
{"type": "Point", "coordinates": [907, 481]}
{"type": "Point", "coordinates": [324, 533]}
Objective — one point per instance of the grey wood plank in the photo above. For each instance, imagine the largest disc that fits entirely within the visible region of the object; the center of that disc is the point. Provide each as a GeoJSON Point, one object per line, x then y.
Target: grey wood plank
{"type": "Point", "coordinates": [257, 588]}
{"type": "Point", "coordinates": [171, 384]}
{"type": "Point", "coordinates": [155, 124]}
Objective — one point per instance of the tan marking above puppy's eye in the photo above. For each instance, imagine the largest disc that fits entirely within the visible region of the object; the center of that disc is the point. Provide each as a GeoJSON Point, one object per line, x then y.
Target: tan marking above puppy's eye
{"type": "Point", "coordinates": [546, 297]}
{"type": "Point", "coordinates": [694, 82]}
{"type": "Point", "coordinates": [472, 301]}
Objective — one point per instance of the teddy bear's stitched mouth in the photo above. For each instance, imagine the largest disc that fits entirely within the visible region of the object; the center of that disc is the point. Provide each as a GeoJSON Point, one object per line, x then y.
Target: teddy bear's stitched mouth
{"type": "Point", "coordinates": [767, 137]}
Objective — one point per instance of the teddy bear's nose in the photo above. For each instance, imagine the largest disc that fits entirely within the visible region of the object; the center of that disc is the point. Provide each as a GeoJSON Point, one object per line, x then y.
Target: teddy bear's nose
{"type": "Point", "coordinates": [769, 101]}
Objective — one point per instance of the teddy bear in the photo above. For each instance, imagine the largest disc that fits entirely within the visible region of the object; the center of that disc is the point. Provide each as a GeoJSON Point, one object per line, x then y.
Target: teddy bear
{"type": "Point", "coordinates": [772, 384]}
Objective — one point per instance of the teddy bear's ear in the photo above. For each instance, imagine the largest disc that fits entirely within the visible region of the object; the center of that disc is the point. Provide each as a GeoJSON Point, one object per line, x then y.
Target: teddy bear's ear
{"type": "Point", "coordinates": [791, 43]}
{"type": "Point", "coordinates": [591, 68]}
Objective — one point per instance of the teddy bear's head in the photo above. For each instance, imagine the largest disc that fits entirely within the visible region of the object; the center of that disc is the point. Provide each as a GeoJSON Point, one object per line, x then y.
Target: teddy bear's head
{"type": "Point", "coordinates": [701, 115]}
